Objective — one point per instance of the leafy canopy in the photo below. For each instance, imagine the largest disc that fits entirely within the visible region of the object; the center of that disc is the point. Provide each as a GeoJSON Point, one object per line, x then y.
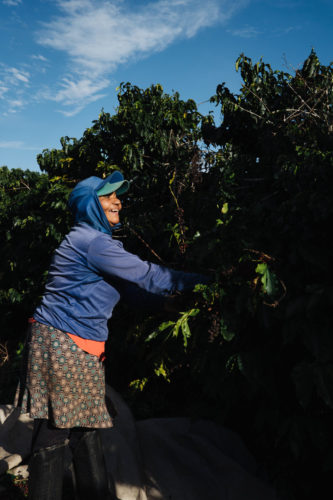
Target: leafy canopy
{"type": "Point", "coordinates": [248, 202]}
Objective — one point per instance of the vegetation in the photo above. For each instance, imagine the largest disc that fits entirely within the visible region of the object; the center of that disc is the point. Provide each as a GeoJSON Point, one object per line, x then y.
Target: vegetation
{"type": "Point", "coordinates": [248, 202]}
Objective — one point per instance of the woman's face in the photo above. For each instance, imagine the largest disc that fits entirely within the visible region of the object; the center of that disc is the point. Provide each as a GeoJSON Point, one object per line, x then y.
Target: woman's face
{"type": "Point", "coordinates": [111, 206]}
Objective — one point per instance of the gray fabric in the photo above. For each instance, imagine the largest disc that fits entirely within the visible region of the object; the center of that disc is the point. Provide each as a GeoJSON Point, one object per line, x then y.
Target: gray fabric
{"type": "Point", "coordinates": [158, 459]}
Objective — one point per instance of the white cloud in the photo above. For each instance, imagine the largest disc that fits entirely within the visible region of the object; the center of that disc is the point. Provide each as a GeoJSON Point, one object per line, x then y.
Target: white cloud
{"type": "Point", "coordinates": [72, 91]}
{"type": "Point", "coordinates": [3, 90]}
{"type": "Point", "coordinates": [77, 94]}
{"type": "Point", "coordinates": [11, 3]}
{"type": "Point", "coordinates": [246, 32]}
{"type": "Point", "coordinates": [11, 144]}
{"type": "Point", "coordinates": [98, 36]}
{"type": "Point", "coordinates": [13, 87]}
{"type": "Point", "coordinates": [251, 32]}
{"type": "Point", "coordinates": [95, 37]}
{"type": "Point", "coordinates": [15, 105]}
{"type": "Point", "coordinates": [17, 145]}
{"type": "Point", "coordinates": [285, 30]}
{"type": "Point", "coordinates": [101, 35]}
{"type": "Point", "coordinates": [16, 76]}
{"type": "Point", "coordinates": [38, 57]}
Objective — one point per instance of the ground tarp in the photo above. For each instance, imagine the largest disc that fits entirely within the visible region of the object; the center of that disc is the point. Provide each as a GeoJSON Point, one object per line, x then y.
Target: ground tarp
{"type": "Point", "coordinates": [157, 459]}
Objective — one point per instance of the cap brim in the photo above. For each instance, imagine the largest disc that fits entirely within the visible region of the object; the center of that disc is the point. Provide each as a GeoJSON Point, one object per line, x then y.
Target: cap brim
{"type": "Point", "coordinates": [118, 187]}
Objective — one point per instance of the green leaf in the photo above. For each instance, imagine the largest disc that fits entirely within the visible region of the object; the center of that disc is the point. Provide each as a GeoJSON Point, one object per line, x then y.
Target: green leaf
{"type": "Point", "coordinates": [225, 208]}
{"type": "Point", "coordinates": [162, 371]}
{"type": "Point", "coordinates": [185, 331]}
{"type": "Point", "coordinates": [161, 328]}
{"type": "Point", "coordinates": [268, 279]}
{"type": "Point", "coordinates": [225, 332]}
{"type": "Point", "coordinates": [182, 324]}
{"type": "Point", "coordinates": [139, 383]}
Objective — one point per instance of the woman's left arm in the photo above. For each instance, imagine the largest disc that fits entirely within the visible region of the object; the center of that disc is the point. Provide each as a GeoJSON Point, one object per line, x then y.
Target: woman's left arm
{"type": "Point", "coordinates": [108, 257]}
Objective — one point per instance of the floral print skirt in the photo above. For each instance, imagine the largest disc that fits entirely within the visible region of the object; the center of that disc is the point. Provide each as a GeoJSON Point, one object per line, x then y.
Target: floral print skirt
{"type": "Point", "coordinates": [61, 382]}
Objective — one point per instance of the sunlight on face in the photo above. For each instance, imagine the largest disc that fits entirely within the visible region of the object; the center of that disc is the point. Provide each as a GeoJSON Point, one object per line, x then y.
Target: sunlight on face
{"type": "Point", "coordinates": [111, 206]}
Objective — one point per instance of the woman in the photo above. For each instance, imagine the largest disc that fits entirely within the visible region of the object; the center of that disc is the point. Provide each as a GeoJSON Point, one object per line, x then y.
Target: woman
{"type": "Point", "coordinates": [64, 388]}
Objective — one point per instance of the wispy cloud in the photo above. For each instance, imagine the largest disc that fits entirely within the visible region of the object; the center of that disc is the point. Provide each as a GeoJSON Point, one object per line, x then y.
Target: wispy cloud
{"type": "Point", "coordinates": [14, 85]}
{"type": "Point", "coordinates": [94, 38]}
{"type": "Point", "coordinates": [252, 31]}
{"type": "Point", "coordinates": [245, 32]}
{"type": "Point", "coordinates": [11, 3]}
{"type": "Point", "coordinates": [17, 145]}
{"type": "Point", "coordinates": [285, 30]}
{"type": "Point", "coordinates": [3, 90]}
{"type": "Point", "coordinates": [76, 94]}
{"type": "Point", "coordinates": [16, 76]}
{"type": "Point", "coordinates": [11, 75]}
{"type": "Point", "coordinates": [39, 57]}
{"type": "Point", "coordinates": [97, 36]}
{"type": "Point", "coordinates": [15, 105]}
{"type": "Point", "coordinates": [101, 35]}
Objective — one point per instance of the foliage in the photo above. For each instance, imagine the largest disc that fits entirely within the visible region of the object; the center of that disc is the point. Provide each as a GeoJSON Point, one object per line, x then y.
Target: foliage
{"type": "Point", "coordinates": [275, 172]}
{"type": "Point", "coordinates": [33, 221]}
{"type": "Point", "coordinates": [153, 139]}
{"type": "Point", "coordinates": [247, 202]}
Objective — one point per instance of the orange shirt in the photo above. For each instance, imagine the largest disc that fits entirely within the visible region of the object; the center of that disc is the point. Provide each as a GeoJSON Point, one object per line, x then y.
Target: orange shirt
{"type": "Point", "coordinates": [94, 347]}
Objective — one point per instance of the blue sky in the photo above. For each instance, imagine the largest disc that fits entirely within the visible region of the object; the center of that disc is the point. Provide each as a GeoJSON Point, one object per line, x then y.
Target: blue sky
{"type": "Point", "coordinates": [62, 60]}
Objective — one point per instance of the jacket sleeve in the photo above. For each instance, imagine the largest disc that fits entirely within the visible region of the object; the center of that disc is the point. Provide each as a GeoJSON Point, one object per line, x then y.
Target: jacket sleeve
{"type": "Point", "coordinates": [138, 298]}
{"type": "Point", "coordinates": [108, 257]}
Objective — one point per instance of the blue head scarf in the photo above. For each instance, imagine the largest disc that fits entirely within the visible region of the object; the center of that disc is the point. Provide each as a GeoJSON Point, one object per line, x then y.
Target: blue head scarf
{"type": "Point", "coordinates": [84, 203]}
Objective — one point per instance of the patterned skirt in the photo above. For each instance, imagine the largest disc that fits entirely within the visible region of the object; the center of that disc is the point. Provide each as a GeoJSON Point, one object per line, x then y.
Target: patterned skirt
{"type": "Point", "coordinates": [61, 382]}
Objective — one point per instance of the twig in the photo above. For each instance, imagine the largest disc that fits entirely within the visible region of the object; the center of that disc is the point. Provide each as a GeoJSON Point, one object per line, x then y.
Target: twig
{"type": "Point", "coordinates": [261, 100]}
{"type": "Point", "coordinates": [171, 136]}
{"type": "Point", "coordinates": [4, 355]}
{"type": "Point", "coordinates": [254, 114]}
{"type": "Point", "coordinates": [319, 98]}
{"type": "Point", "coordinates": [171, 190]}
{"type": "Point", "coordinates": [262, 254]}
{"type": "Point", "coordinates": [146, 244]}
{"type": "Point", "coordinates": [26, 185]}
{"type": "Point", "coordinates": [299, 96]}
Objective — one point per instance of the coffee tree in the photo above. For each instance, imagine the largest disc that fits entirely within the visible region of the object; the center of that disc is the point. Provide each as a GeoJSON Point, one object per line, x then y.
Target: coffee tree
{"type": "Point", "coordinates": [248, 203]}
{"type": "Point", "coordinates": [275, 172]}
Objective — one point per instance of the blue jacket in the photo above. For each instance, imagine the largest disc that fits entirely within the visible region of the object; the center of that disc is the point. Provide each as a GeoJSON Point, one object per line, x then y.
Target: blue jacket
{"type": "Point", "coordinates": [87, 268]}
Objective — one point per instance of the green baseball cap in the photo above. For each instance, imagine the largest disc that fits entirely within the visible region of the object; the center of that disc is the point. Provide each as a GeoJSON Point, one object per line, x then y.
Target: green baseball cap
{"type": "Point", "coordinates": [113, 183]}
